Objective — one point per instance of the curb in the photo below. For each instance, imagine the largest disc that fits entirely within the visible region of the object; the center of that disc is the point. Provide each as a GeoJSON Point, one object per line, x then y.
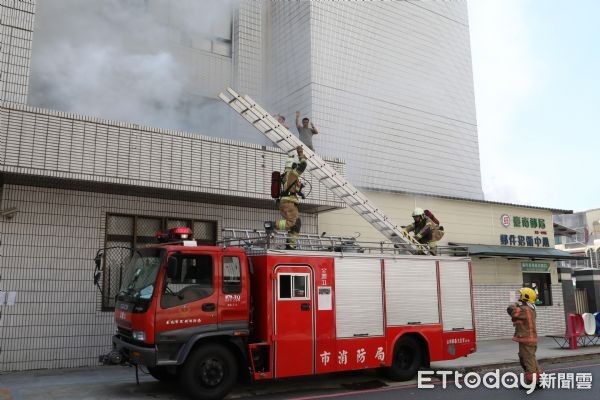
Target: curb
{"type": "Point", "coordinates": [548, 360]}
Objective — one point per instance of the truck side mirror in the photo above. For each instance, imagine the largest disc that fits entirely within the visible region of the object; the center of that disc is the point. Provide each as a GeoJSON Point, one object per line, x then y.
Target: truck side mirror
{"type": "Point", "coordinates": [171, 267]}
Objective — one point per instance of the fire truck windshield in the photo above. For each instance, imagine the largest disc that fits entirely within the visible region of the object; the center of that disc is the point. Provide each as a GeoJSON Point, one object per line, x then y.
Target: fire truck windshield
{"type": "Point", "coordinates": [140, 274]}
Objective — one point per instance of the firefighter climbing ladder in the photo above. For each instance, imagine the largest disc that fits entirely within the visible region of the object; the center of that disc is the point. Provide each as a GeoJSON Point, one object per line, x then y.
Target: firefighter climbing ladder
{"type": "Point", "coordinates": [286, 141]}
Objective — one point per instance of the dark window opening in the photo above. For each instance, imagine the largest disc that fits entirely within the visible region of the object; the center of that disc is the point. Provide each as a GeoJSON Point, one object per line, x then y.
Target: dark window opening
{"type": "Point", "coordinates": [293, 286]}
{"type": "Point", "coordinates": [540, 283]}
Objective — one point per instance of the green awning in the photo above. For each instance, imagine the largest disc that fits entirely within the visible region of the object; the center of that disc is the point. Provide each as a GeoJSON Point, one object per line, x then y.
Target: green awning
{"type": "Point", "coordinates": [514, 252]}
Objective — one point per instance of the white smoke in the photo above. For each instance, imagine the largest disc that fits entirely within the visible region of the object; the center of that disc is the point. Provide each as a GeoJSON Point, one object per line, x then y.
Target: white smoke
{"type": "Point", "coordinates": [115, 59]}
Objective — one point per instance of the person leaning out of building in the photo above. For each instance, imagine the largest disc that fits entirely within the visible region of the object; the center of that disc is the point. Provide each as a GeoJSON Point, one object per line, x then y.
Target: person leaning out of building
{"type": "Point", "coordinates": [523, 317]}
{"type": "Point", "coordinates": [281, 119]}
{"type": "Point", "coordinates": [288, 199]}
{"type": "Point", "coordinates": [305, 132]}
{"type": "Point", "coordinates": [426, 230]}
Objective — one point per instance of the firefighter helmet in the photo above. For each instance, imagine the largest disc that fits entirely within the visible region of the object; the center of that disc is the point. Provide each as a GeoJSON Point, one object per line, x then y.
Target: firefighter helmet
{"type": "Point", "coordinates": [418, 212]}
{"type": "Point", "coordinates": [291, 161]}
{"type": "Point", "coordinates": [528, 295]}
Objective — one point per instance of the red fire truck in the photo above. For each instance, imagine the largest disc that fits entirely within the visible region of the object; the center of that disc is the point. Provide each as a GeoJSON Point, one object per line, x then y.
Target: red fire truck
{"type": "Point", "coordinates": [206, 315]}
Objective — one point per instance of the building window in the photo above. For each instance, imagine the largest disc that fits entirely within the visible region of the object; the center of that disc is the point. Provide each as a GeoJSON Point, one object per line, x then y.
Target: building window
{"type": "Point", "coordinates": [540, 283]}
{"type": "Point", "coordinates": [124, 232]}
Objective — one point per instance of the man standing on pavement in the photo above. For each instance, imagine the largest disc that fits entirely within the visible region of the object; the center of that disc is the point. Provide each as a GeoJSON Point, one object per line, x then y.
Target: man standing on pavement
{"type": "Point", "coordinates": [523, 318]}
{"type": "Point", "coordinates": [305, 133]}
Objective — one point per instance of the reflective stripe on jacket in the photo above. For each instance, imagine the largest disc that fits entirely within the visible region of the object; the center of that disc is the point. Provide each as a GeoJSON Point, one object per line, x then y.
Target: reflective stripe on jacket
{"type": "Point", "coordinates": [523, 317]}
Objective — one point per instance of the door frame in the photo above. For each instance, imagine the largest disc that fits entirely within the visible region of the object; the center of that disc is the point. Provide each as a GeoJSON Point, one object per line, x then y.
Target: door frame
{"type": "Point", "coordinates": [295, 270]}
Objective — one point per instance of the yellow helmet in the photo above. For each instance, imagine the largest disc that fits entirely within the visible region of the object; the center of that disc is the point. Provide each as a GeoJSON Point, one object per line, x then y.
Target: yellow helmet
{"type": "Point", "coordinates": [528, 295]}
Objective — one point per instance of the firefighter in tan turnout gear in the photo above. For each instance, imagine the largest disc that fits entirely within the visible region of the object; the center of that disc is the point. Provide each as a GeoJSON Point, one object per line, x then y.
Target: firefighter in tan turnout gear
{"type": "Point", "coordinates": [426, 228]}
{"type": "Point", "coordinates": [288, 199]}
{"type": "Point", "coordinates": [523, 318]}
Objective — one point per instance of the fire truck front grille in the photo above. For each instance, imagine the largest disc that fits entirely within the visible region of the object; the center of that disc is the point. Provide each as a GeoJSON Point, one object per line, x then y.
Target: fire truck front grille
{"type": "Point", "coordinates": [125, 333]}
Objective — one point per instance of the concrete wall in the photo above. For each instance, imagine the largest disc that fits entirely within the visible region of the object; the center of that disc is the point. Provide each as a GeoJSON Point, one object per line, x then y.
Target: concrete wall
{"type": "Point", "coordinates": [493, 322]}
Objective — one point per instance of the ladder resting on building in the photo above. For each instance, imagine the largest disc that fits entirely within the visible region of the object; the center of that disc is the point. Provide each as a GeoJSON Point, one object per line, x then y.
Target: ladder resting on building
{"type": "Point", "coordinates": [288, 142]}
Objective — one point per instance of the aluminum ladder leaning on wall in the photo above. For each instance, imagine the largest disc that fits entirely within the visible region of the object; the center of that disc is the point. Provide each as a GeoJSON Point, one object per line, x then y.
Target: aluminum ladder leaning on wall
{"type": "Point", "coordinates": [288, 142]}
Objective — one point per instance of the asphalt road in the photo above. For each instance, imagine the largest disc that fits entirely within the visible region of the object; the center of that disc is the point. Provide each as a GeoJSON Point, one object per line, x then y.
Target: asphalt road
{"type": "Point", "coordinates": [119, 383]}
{"type": "Point", "coordinates": [558, 376]}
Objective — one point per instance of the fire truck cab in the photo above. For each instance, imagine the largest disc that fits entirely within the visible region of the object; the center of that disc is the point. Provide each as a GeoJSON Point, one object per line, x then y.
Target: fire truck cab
{"type": "Point", "coordinates": [208, 314]}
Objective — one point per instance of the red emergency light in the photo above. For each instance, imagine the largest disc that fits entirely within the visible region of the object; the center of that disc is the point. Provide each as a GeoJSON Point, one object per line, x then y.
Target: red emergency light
{"type": "Point", "coordinates": [174, 234]}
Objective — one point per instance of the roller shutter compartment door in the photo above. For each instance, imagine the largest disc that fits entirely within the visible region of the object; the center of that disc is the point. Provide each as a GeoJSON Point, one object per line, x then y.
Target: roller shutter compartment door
{"type": "Point", "coordinates": [411, 295]}
{"type": "Point", "coordinates": [358, 297]}
{"type": "Point", "coordinates": [455, 288]}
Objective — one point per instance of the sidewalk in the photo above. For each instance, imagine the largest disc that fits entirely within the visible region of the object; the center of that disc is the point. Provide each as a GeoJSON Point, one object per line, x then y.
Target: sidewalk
{"type": "Point", "coordinates": [118, 382]}
{"type": "Point", "coordinates": [502, 353]}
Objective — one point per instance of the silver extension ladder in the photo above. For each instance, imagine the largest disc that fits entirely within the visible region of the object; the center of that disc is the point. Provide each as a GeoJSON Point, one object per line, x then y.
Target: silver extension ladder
{"type": "Point", "coordinates": [288, 142]}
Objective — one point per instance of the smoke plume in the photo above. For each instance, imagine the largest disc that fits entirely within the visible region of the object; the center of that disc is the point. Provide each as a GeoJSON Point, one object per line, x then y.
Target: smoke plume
{"type": "Point", "coordinates": [117, 59]}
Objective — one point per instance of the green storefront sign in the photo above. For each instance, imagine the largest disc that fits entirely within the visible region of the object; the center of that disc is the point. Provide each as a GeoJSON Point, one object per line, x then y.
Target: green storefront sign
{"type": "Point", "coordinates": [530, 266]}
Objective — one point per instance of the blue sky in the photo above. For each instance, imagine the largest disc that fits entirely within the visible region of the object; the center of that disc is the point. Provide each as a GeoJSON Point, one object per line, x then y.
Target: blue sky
{"type": "Point", "coordinates": [536, 68]}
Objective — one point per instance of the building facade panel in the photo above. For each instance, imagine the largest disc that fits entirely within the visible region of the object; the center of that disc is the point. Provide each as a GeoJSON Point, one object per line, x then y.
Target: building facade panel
{"type": "Point", "coordinates": [16, 35]}
{"type": "Point", "coordinates": [374, 66]}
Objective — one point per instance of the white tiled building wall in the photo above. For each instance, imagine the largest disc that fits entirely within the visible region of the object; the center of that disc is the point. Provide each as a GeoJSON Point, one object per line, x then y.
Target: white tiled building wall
{"type": "Point", "coordinates": [46, 257]}
{"type": "Point", "coordinates": [62, 145]}
{"type": "Point", "coordinates": [249, 48]}
{"type": "Point", "coordinates": [388, 84]}
{"type": "Point", "coordinates": [493, 322]}
{"type": "Point", "coordinates": [16, 33]}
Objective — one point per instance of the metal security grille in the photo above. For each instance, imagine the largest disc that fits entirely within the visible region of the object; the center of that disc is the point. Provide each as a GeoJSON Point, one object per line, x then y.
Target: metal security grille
{"type": "Point", "coordinates": [125, 232]}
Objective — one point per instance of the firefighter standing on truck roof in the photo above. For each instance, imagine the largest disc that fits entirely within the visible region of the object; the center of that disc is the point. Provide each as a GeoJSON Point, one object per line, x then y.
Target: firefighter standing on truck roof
{"type": "Point", "coordinates": [523, 317]}
{"type": "Point", "coordinates": [426, 230]}
{"type": "Point", "coordinates": [288, 198]}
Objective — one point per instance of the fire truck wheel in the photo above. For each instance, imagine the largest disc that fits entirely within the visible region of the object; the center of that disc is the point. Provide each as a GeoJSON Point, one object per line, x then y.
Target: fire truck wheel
{"type": "Point", "coordinates": [406, 361]}
{"type": "Point", "coordinates": [162, 374]}
{"type": "Point", "coordinates": [209, 372]}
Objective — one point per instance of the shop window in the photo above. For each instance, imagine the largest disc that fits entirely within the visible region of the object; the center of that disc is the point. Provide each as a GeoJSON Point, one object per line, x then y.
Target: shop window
{"type": "Point", "coordinates": [540, 283]}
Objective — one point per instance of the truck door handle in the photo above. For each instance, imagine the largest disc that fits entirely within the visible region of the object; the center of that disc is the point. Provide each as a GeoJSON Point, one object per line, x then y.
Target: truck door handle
{"type": "Point", "coordinates": [208, 307]}
{"type": "Point", "coordinates": [305, 307]}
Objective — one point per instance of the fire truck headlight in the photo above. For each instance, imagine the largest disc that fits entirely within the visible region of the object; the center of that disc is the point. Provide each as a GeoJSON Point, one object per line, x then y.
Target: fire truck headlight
{"type": "Point", "coordinates": [139, 335]}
